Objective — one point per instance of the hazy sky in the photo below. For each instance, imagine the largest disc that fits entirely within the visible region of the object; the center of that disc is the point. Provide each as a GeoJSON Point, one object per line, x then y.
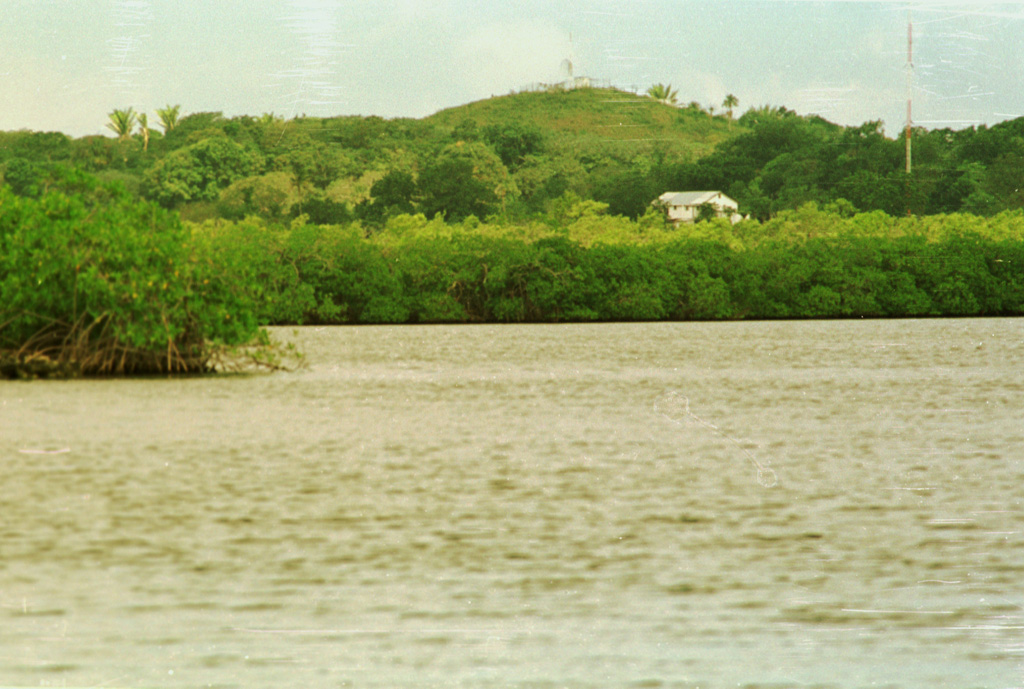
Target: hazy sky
{"type": "Point", "coordinates": [64, 64]}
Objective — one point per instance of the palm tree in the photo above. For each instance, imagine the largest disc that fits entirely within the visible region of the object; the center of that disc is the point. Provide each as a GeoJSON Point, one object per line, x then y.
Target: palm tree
{"type": "Point", "coordinates": [168, 117]}
{"type": "Point", "coordinates": [144, 130]}
{"type": "Point", "coordinates": [729, 103]}
{"type": "Point", "coordinates": [664, 93]}
{"type": "Point", "coordinates": [122, 122]}
{"type": "Point", "coordinates": [269, 118]}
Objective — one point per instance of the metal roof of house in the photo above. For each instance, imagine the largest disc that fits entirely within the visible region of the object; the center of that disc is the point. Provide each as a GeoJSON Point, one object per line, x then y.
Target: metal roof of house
{"type": "Point", "coordinates": [688, 198]}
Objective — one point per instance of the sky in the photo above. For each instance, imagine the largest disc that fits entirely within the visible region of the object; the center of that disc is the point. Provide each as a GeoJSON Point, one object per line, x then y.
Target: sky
{"type": "Point", "coordinates": [65, 64]}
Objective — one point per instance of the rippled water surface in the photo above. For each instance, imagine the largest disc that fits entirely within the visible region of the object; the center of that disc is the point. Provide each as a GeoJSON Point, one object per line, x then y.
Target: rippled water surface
{"type": "Point", "coordinates": [530, 506]}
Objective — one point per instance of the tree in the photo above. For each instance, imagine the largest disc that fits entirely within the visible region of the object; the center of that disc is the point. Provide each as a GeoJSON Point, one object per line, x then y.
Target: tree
{"type": "Point", "coordinates": [35, 146]}
{"type": "Point", "coordinates": [268, 118]}
{"type": "Point", "coordinates": [465, 179]}
{"type": "Point", "coordinates": [664, 93]}
{"type": "Point", "coordinates": [628, 192]}
{"type": "Point", "coordinates": [753, 200]}
{"type": "Point", "coordinates": [325, 211]}
{"type": "Point", "coordinates": [395, 190]}
{"type": "Point", "coordinates": [25, 177]}
{"type": "Point", "coordinates": [392, 195]}
{"type": "Point", "coordinates": [115, 284]}
{"type": "Point", "coordinates": [729, 103]}
{"type": "Point", "coordinates": [513, 142]}
{"type": "Point", "coordinates": [144, 130]}
{"type": "Point", "coordinates": [300, 163]}
{"type": "Point", "coordinates": [269, 196]}
{"type": "Point", "coordinates": [199, 125]}
{"type": "Point", "coordinates": [200, 171]}
{"type": "Point", "coordinates": [168, 117]}
{"type": "Point", "coordinates": [311, 162]}
{"type": "Point", "coordinates": [122, 122]}
{"type": "Point", "coordinates": [466, 130]}
{"type": "Point", "coordinates": [542, 178]}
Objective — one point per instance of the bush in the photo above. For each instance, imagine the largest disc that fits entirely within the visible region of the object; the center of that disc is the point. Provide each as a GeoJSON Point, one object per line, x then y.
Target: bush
{"type": "Point", "coordinates": [805, 264]}
{"type": "Point", "coordinates": [93, 281]}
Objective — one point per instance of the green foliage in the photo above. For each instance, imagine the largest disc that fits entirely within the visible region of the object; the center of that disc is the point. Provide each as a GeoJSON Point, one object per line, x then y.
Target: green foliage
{"type": "Point", "coordinates": [392, 195]}
{"type": "Point", "coordinates": [200, 171]}
{"type": "Point", "coordinates": [534, 207]}
{"type": "Point", "coordinates": [102, 283]}
{"type": "Point", "coordinates": [169, 116]}
{"type": "Point", "coordinates": [729, 103]}
{"type": "Point", "coordinates": [309, 162]}
{"type": "Point", "coordinates": [270, 196]}
{"type": "Point", "coordinates": [466, 130]}
{"type": "Point", "coordinates": [551, 143]}
{"type": "Point", "coordinates": [25, 177]}
{"type": "Point", "coordinates": [194, 127]}
{"type": "Point", "coordinates": [628, 193]}
{"type": "Point", "coordinates": [122, 122]}
{"type": "Point", "coordinates": [35, 146]}
{"type": "Point", "coordinates": [630, 284]}
{"type": "Point", "coordinates": [807, 263]}
{"type": "Point", "coordinates": [663, 93]}
{"type": "Point", "coordinates": [602, 144]}
{"type": "Point", "coordinates": [543, 178]}
{"type": "Point", "coordinates": [591, 124]}
{"type": "Point", "coordinates": [537, 207]}
{"type": "Point", "coordinates": [706, 212]}
{"type": "Point", "coordinates": [325, 211]}
{"type": "Point", "coordinates": [465, 179]}
{"type": "Point", "coordinates": [308, 274]}
{"type": "Point", "coordinates": [514, 142]}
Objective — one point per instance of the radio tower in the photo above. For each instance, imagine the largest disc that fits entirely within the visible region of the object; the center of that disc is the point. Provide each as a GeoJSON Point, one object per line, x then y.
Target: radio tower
{"type": "Point", "coordinates": [910, 82]}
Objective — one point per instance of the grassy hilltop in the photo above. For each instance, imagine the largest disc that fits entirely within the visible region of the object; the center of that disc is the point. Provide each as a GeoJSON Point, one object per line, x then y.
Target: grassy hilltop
{"type": "Point", "coordinates": [599, 116]}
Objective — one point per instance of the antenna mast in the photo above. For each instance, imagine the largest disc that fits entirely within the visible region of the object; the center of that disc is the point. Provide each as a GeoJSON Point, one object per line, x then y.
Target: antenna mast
{"type": "Point", "coordinates": [910, 82]}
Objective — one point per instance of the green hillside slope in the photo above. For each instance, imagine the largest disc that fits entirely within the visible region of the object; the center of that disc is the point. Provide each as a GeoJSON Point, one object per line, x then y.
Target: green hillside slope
{"type": "Point", "coordinates": [606, 117]}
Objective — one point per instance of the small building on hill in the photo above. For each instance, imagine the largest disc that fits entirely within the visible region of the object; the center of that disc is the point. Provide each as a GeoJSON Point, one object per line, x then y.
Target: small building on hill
{"type": "Point", "coordinates": [685, 206]}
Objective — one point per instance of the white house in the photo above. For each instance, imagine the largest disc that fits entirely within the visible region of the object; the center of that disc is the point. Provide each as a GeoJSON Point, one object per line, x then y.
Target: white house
{"type": "Point", "coordinates": [684, 206]}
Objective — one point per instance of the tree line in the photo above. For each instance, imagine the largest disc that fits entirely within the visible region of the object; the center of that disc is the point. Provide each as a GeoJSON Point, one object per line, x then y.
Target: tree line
{"type": "Point", "coordinates": [95, 281]}
{"type": "Point", "coordinates": [497, 163]}
{"type": "Point", "coordinates": [809, 263]}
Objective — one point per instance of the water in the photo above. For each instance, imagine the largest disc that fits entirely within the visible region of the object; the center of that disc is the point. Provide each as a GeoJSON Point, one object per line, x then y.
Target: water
{"type": "Point", "coordinates": [518, 506]}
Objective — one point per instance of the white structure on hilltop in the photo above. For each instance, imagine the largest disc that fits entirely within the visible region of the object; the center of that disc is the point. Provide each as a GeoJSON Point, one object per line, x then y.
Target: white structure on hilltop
{"type": "Point", "coordinates": [684, 206]}
{"type": "Point", "coordinates": [572, 81]}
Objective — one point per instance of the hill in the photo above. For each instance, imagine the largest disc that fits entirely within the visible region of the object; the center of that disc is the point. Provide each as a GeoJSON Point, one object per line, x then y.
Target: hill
{"type": "Point", "coordinates": [515, 156]}
{"type": "Point", "coordinates": [618, 122]}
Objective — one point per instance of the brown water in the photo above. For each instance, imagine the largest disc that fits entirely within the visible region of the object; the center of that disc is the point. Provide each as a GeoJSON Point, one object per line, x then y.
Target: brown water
{"type": "Point", "coordinates": [530, 506]}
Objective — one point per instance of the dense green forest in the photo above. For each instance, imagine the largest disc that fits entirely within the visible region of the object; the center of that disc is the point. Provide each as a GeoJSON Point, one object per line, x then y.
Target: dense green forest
{"type": "Point", "coordinates": [514, 155]}
{"type": "Point", "coordinates": [160, 248]}
{"type": "Point", "coordinates": [804, 263]}
{"type": "Point", "coordinates": [507, 155]}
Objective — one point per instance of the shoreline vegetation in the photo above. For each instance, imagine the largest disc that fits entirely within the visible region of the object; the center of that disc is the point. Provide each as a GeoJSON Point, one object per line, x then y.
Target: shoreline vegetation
{"type": "Point", "coordinates": [167, 253]}
{"type": "Point", "coordinates": [95, 282]}
{"type": "Point", "coordinates": [808, 263]}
